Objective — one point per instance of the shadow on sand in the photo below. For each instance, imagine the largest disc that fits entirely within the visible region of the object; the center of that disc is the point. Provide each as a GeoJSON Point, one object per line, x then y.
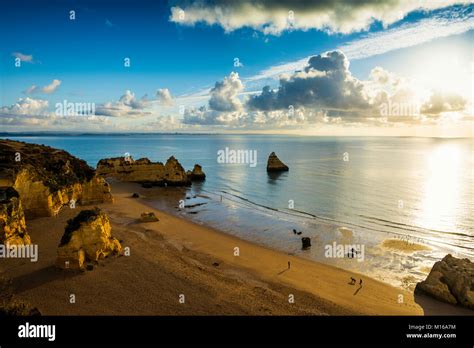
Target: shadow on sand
{"type": "Point", "coordinates": [357, 291]}
{"type": "Point", "coordinates": [40, 277]}
{"type": "Point", "coordinates": [432, 306]}
{"type": "Point", "coordinates": [286, 269]}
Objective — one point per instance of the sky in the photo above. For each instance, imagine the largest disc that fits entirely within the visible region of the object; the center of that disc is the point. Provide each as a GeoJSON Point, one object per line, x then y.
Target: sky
{"type": "Point", "coordinates": [395, 67]}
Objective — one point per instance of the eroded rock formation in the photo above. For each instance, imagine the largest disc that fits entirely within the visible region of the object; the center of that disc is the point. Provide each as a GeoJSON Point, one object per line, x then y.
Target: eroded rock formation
{"type": "Point", "coordinates": [144, 171]}
{"type": "Point", "coordinates": [275, 165]}
{"type": "Point", "coordinates": [12, 219]}
{"type": "Point", "coordinates": [47, 179]}
{"type": "Point", "coordinates": [451, 280]}
{"type": "Point", "coordinates": [87, 238]}
{"type": "Point", "coordinates": [196, 174]}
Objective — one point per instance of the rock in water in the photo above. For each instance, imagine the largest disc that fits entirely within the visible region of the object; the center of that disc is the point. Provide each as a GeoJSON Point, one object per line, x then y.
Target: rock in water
{"type": "Point", "coordinates": [306, 242]}
{"type": "Point", "coordinates": [144, 171]}
{"type": "Point", "coordinates": [451, 280]}
{"type": "Point", "coordinates": [87, 238]}
{"type": "Point", "coordinates": [275, 165]}
{"type": "Point", "coordinates": [47, 179]}
{"type": "Point", "coordinates": [12, 219]}
{"type": "Point", "coordinates": [148, 217]}
{"type": "Point", "coordinates": [197, 174]}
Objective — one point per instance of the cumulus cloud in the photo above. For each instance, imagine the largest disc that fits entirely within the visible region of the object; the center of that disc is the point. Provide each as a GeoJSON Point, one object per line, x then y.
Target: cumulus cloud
{"type": "Point", "coordinates": [439, 103]}
{"type": "Point", "coordinates": [34, 113]}
{"type": "Point", "coordinates": [224, 106]}
{"type": "Point", "coordinates": [224, 94]}
{"type": "Point", "coordinates": [163, 96]}
{"type": "Point", "coordinates": [276, 16]}
{"type": "Point", "coordinates": [127, 106]}
{"type": "Point", "coordinates": [325, 82]}
{"type": "Point", "coordinates": [323, 91]}
{"type": "Point", "coordinates": [26, 106]}
{"type": "Point", "coordinates": [48, 89]}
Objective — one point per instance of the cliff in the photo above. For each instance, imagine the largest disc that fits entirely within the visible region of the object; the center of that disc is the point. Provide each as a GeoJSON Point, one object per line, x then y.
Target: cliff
{"type": "Point", "coordinates": [47, 179]}
{"type": "Point", "coordinates": [451, 280]}
{"type": "Point", "coordinates": [144, 171]}
{"type": "Point", "coordinates": [12, 219]}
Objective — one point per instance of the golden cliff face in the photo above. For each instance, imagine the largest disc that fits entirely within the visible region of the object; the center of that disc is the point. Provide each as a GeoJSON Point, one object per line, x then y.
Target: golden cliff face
{"type": "Point", "coordinates": [12, 220]}
{"type": "Point", "coordinates": [144, 171]}
{"type": "Point", "coordinates": [88, 237]}
{"type": "Point", "coordinates": [47, 179]}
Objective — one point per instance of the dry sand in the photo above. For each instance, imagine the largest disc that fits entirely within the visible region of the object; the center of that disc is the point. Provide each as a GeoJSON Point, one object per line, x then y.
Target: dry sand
{"type": "Point", "coordinates": [175, 256]}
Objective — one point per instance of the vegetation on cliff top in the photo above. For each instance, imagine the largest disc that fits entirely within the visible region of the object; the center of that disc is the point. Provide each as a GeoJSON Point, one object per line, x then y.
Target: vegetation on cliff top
{"type": "Point", "coordinates": [55, 168]}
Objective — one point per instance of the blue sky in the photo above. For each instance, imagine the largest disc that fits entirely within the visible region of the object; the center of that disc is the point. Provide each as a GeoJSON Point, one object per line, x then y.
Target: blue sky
{"type": "Point", "coordinates": [86, 57]}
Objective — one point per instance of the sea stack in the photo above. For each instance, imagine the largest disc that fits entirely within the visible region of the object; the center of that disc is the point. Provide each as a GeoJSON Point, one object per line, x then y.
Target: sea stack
{"type": "Point", "coordinates": [87, 238]}
{"type": "Point", "coordinates": [275, 165]}
{"type": "Point", "coordinates": [197, 174]}
{"type": "Point", "coordinates": [451, 280]}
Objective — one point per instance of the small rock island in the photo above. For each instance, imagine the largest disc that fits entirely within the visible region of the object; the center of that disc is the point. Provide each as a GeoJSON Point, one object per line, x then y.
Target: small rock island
{"type": "Point", "coordinates": [275, 165]}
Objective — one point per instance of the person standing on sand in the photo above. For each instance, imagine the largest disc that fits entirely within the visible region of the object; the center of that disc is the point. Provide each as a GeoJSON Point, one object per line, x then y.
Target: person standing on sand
{"type": "Point", "coordinates": [289, 264]}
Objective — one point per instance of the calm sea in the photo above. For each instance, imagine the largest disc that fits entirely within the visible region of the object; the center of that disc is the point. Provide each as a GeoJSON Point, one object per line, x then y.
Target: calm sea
{"type": "Point", "coordinates": [416, 189]}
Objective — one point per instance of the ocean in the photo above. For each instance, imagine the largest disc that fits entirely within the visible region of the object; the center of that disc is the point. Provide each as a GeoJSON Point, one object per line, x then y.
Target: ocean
{"type": "Point", "coordinates": [345, 190]}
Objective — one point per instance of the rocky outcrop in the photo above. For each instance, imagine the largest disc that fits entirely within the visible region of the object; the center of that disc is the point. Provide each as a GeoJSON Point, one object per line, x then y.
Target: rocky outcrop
{"type": "Point", "coordinates": [47, 179]}
{"type": "Point", "coordinates": [196, 174]}
{"type": "Point", "coordinates": [144, 171]}
{"type": "Point", "coordinates": [451, 280]}
{"type": "Point", "coordinates": [275, 165]}
{"type": "Point", "coordinates": [148, 217]}
{"type": "Point", "coordinates": [12, 219]}
{"type": "Point", "coordinates": [87, 238]}
{"type": "Point", "coordinates": [306, 242]}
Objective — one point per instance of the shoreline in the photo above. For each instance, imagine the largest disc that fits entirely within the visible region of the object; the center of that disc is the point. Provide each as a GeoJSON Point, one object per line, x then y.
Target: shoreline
{"type": "Point", "coordinates": [176, 256]}
{"type": "Point", "coordinates": [324, 284]}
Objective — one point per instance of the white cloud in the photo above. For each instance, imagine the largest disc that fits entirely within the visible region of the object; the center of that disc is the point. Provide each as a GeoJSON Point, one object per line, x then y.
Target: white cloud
{"type": "Point", "coordinates": [224, 94]}
{"type": "Point", "coordinates": [26, 106]}
{"type": "Point", "coordinates": [324, 91]}
{"type": "Point", "coordinates": [163, 96]}
{"type": "Point", "coordinates": [442, 24]}
{"type": "Point", "coordinates": [127, 106]}
{"type": "Point", "coordinates": [274, 17]}
{"type": "Point", "coordinates": [51, 87]}
{"type": "Point", "coordinates": [48, 89]}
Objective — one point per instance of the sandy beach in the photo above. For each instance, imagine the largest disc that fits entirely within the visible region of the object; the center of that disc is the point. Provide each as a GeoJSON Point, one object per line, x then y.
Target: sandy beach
{"type": "Point", "coordinates": [175, 257]}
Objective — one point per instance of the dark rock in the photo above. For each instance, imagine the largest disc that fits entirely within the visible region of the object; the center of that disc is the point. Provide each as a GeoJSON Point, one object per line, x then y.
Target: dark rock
{"type": "Point", "coordinates": [306, 242]}
{"type": "Point", "coordinates": [135, 195]}
{"type": "Point", "coordinates": [275, 165]}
